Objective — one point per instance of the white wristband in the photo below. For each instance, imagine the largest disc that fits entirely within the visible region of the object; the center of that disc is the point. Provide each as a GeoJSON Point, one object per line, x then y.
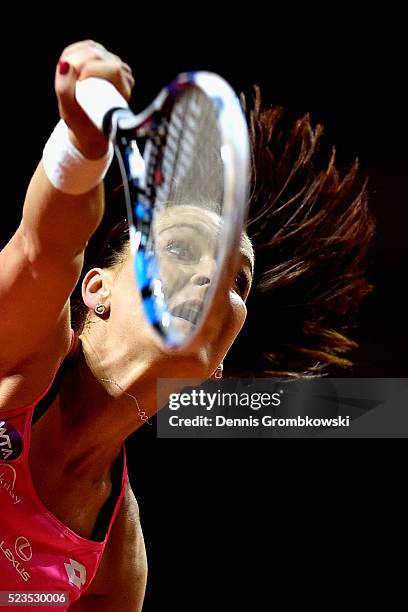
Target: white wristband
{"type": "Point", "coordinates": [67, 169]}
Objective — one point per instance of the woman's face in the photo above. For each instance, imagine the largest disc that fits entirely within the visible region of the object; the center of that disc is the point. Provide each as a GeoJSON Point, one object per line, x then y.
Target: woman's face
{"type": "Point", "coordinates": [186, 242]}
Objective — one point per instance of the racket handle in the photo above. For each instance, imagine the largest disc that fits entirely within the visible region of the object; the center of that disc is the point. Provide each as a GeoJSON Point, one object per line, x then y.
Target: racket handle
{"type": "Point", "coordinates": [97, 98]}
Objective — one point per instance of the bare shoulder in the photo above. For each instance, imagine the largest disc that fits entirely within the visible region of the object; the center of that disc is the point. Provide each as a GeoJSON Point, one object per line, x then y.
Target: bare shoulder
{"type": "Point", "coordinates": [35, 285]}
{"type": "Point", "coordinates": [21, 382]}
{"type": "Point", "coordinates": [122, 574]}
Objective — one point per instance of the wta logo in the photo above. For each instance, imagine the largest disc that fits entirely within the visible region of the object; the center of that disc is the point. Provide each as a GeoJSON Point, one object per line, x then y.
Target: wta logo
{"type": "Point", "coordinates": [11, 443]}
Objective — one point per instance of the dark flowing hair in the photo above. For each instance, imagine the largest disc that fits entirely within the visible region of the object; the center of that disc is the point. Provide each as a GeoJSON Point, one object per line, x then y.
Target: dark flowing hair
{"type": "Point", "coordinates": [310, 228]}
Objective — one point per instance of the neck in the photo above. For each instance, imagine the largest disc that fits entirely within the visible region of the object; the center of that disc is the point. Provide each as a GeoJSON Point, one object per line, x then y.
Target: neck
{"type": "Point", "coordinates": [115, 386]}
{"type": "Point", "coordinates": [110, 403]}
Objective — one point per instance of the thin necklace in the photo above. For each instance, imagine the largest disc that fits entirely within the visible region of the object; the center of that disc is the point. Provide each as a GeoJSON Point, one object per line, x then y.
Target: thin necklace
{"type": "Point", "coordinates": [141, 413]}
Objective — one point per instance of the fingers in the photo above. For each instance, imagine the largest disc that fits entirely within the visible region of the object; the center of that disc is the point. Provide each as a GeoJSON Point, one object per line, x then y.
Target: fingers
{"type": "Point", "coordinates": [82, 44]}
{"type": "Point", "coordinates": [110, 71]}
{"type": "Point", "coordinates": [65, 81]}
{"type": "Point", "coordinates": [77, 62]}
{"type": "Point", "coordinates": [92, 59]}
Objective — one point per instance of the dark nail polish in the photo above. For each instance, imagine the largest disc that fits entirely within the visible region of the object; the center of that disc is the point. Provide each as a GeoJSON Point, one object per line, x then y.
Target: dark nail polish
{"type": "Point", "coordinates": [63, 67]}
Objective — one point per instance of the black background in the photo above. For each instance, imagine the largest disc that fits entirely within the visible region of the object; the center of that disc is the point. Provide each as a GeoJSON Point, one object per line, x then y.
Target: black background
{"type": "Point", "coordinates": [349, 72]}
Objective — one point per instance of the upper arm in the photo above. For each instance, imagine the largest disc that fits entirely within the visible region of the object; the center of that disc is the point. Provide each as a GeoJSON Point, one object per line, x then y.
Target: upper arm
{"type": "Point", "coordinates": [40, 266]}
{"type": "Point", "coordinates": [120, 582]}
{"type": "Point", "coordinates": [33, 299]}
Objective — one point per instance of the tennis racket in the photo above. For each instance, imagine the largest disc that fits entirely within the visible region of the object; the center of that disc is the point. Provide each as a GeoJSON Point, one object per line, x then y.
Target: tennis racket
{"type": "Point", "coordinates": [185, 167]}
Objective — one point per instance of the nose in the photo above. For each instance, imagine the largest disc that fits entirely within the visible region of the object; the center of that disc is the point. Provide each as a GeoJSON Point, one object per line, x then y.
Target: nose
{"type": "Point", "coordinates": [204, 272]}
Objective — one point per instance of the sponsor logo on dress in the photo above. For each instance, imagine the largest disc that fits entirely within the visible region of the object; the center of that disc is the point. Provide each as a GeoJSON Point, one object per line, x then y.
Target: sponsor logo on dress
{"type": "Point", "coordinates": [76, 573]}
{"type": "Point", "coordinates": [23, 573]}
{"type": "Point", "coordinates": [11, 443]}
{"type": "Point", "coordinates": [8, 477]}
{"type": "Point", "coordinates": [23, 549]}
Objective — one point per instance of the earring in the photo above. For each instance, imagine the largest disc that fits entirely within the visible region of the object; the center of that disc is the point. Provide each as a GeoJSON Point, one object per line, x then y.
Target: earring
{"type": "Point", "coordinates": [100, 309]}
{"type": "Point", "coordinates": [218, 371]}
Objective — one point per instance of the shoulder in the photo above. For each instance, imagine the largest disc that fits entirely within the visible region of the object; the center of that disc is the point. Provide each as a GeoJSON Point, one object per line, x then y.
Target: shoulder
{"type": "Point", "coordinates": [24, 381]}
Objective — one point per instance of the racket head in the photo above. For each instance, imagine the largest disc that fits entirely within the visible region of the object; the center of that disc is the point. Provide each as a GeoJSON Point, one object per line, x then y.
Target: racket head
{"type": "Point", "coordinates": [185, 167]}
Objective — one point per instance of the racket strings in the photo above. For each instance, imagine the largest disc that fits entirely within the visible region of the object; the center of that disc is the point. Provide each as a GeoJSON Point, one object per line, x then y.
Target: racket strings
{"type": "Point", "coordinates": [192, 177]}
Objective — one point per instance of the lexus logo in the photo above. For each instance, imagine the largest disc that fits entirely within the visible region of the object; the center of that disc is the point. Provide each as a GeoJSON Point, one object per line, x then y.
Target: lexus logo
{"type": "Point", "coordinates": [23, 549]}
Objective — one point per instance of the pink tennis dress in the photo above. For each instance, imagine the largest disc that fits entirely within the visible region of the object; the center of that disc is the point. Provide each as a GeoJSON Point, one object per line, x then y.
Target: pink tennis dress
{"type": "Point", "coordinates": [37, 551]}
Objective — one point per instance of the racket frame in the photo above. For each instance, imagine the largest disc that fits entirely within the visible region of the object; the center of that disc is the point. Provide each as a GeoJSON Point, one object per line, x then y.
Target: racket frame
{"type": "Point", "coordinates": [123, 127]}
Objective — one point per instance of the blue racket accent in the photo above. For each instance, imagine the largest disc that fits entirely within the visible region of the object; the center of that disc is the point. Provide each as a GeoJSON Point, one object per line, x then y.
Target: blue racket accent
{"type": "Point", "coordinates": [218, 104]}
{"type": "Point", "coordinates": [148, 278]}
{"type": "Point", "coordinates": [143, 212]}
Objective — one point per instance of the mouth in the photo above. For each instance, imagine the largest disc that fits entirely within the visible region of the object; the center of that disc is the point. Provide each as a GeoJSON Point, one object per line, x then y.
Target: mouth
{"type": "Point", "coordinates": [189, 311]}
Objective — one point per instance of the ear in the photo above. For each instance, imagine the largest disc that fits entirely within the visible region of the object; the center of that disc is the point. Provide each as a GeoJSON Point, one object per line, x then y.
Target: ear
{"type": "Point", "coordinates": [96, 288]}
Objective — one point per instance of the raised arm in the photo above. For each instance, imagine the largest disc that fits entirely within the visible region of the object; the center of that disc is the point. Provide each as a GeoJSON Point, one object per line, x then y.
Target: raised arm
{"type": "Point", "coordinates": [41, 264]}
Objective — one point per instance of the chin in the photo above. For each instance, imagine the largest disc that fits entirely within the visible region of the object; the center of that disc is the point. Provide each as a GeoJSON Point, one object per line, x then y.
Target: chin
{"type": "Point", "coordinates": [197, 365]}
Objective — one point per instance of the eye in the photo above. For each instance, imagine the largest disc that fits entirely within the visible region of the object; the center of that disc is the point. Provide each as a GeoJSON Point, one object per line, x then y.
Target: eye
{"type": "Point", "coordinates": [241, 283]}
{"type": "Point", "coordinates": [182, 250]}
